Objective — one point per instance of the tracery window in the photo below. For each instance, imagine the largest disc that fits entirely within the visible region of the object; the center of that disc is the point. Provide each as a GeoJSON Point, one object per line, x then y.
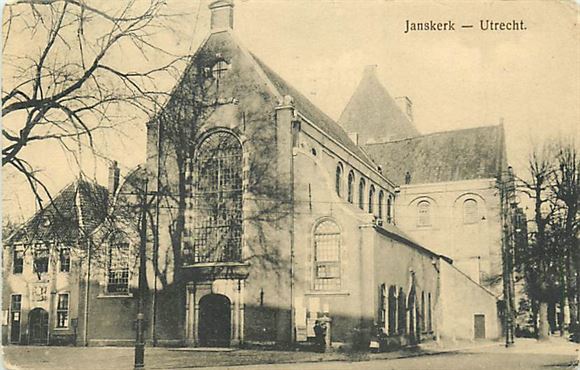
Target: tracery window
{"type": "Point", "coordinates": [350, 196]}
{"type": "Point", "coordinates": [217, 200]}
{"type": "Point", "coordinates": [424, 213]}
{"type": "Point", "coordinates": [470, 211]}
{"type": "Point", "coordinates": [338, 180]}
{"type": "Point", "coordinates": [371, 198]}
{"type": "Point", "coordinates": [327, 256]}
{"type": "Point", "coordinates": [361, 194]}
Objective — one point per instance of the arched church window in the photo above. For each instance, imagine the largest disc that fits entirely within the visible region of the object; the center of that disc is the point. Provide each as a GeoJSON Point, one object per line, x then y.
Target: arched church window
{"type": "Point", "coordinates": [361, 193]}
{"type": "Point", "coordinates": [371, 198]}
{"type": "Point", "coordinates": [338, 180]}
{"type": "Point", "coordinates": [327, 256]}
{"type": "Point", "coordinates": [217, 194]}
{"type": "Point", "coordinates": [393, 302]}
{"type": "Point", "coordinates": [470, 211]}
{"type": "Point", "coordinates": [424, 213]}
{"type": "Point", "coordinates": [381, 203]}
{"type": "Point", "coordinates": [350, 189]}
{"type": "Point", "coordinates": [390, 209]}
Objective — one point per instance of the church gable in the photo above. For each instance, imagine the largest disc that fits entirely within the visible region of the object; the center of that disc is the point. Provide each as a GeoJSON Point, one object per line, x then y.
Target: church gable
{"type": "Point", "coordinates": [373, 114]}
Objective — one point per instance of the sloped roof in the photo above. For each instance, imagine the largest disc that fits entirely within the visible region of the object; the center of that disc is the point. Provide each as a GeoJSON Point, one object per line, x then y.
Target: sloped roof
{"type": "Point", "coordinates": [60, 220]}
{"type": "Point", "coordinates": [313, 113]}
{"type": "Point", "coordinates": [473, 153]}
{"type": "Point", "coordinates": [373, 114]}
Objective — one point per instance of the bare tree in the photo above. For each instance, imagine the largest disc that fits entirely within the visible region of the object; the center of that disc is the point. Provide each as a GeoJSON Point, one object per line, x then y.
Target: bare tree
{"type": "Point", "coordinates": [71, 85]}
{"type": "Point", "coordinates": [566, 189]}
{"type": "Point", "coordinates": [536, 265]}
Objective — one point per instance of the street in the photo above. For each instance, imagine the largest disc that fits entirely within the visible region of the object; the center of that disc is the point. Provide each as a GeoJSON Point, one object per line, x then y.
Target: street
{"type": "Point", "coordinates": [526, 354]}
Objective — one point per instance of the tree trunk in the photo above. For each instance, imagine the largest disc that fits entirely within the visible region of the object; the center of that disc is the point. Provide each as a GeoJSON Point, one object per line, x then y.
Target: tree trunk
{"type": "Point", "coordinates": [571, 289]}
{"type": "Point", "coordinates": [543, 332]}
{"type": "Point", "coordinates": [563, 303]}
{"type": "Point", "coordinates": [535, 309]}
{"type": "Point", "coordinates": [552, 319]}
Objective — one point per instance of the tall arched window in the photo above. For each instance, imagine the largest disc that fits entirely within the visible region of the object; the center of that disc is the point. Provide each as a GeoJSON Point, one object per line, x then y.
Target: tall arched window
{"type": "Point", "coordinates": [217, 203]}
{"type": "Point", "coordinates": [392, 330]}
{"type": "Point", "coordinates": [401, 312]}
{"type": "Point", "coordinates": [424, 213]}
{"type": "Point", "coordinates": [327, 256]}
{"type": "Point", "coordinates": [361, 193]}
{"type": "Point", "coordinates": [381, 203]}
{"type": "Point", "coordinates": [470, 211]}
{"type": "Point", "coordinates": [390, 209]}
{"type": "Point", "coordinates": [350, 196]}
{"type": "Point", "coordinates": [371, 198]}
{"type": "Point", "coordinates": [338, 181]}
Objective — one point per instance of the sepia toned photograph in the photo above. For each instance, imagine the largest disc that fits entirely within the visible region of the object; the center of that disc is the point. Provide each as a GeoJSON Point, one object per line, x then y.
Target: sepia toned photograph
{"type": "Point", "coordinates": [290, 184]}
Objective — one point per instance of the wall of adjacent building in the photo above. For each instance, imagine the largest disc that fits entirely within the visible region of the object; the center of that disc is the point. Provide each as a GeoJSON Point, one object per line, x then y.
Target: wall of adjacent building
{"type": "Point", "coordinates": [460, 300]}
{"type": "Point", "coordinates": [40, 291]}
{"type": "Point", "coordinates": [475, 248]}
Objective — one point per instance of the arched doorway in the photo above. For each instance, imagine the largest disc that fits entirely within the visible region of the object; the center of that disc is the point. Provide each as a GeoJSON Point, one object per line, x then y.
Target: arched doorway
{"type": "Point", "coordinates": [214, 321]}
{"type": "Point", "coordinates": [38, 326]}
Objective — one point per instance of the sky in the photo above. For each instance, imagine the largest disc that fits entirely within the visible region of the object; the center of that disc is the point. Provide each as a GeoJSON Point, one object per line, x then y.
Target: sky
{"type": "Point", "coordinates": [529, 80]}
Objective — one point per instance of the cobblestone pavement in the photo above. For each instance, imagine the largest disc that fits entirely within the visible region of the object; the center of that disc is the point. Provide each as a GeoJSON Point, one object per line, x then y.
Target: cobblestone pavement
{"type": "Point", "coordinates": [526, 354]}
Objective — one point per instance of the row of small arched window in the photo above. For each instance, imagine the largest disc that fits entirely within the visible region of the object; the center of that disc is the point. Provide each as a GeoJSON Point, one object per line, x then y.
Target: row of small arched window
{"type": "Point", "coordinates": [395, 307]}
{"type": "Point", "coordinates": [365, 200]}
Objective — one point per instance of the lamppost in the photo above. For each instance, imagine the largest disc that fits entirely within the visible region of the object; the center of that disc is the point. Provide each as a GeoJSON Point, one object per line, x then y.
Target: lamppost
{"type": "Point", "coordinates": [140, 321]}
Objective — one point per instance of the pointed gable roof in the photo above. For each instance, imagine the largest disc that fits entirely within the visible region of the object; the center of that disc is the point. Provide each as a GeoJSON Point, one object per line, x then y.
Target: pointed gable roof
{"type": "Point", "coordinates": [474, 153]}
{"type": "Point", "coordinates": [373, 114]}
{"type": "Point", "coordinates": [81, 205]}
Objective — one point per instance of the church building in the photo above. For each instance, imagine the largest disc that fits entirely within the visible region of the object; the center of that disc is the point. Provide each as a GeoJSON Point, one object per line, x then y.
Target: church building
{"type": "Point", "coordinates": [262, 215]}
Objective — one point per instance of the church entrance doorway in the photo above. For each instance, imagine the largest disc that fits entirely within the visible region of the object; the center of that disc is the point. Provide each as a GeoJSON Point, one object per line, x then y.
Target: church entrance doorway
{"type": "Point", "coordinates": [214, 321]}
{"type": "Point", "coordinates": [38, 326]}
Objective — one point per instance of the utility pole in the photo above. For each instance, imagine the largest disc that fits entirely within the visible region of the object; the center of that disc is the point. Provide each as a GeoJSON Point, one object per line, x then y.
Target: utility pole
{"type": "Point", "coordinates": [507, 191]}
{"type": "Point", "coordinates": [140, 322]}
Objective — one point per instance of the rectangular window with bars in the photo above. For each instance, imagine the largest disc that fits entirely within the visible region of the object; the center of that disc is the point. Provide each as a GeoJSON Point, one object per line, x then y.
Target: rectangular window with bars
{"type": "Point", "coordinates": [62, 311]}
{"type": "Point", "coordinates": [118, 269]}
{"type": "Point", "coordinates": [41, 258]}
{"type": "Point", "coordinates": [15, 308]}
{"type": "Point", "coordinates": [18, 261]}
{"type": "Point", "coordinates": [64, 259]}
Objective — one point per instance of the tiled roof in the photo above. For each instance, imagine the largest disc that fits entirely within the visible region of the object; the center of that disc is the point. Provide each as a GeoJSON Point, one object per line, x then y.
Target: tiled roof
{"type": "Point", "coordinates": [81, 205]}
{"type": "Point", "coordinates": [313, 113]}
{"type": "Point", "coordinates": [467, 154]}
{"type": "Point", "coordinates": [373, 114]}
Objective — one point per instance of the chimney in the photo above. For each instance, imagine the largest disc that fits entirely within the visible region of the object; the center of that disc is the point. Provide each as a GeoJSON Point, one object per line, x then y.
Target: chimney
{"type": "Point", "coordinates": [222, 15]}
{"type": "Point", "coordinates": [114, 173]}
{"type": "Point", "coordinates": [406, 105]}
{"type": "Point", "coordinates": [353, 136]}
{"type": "Point", "coordinates": [370, 70]}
